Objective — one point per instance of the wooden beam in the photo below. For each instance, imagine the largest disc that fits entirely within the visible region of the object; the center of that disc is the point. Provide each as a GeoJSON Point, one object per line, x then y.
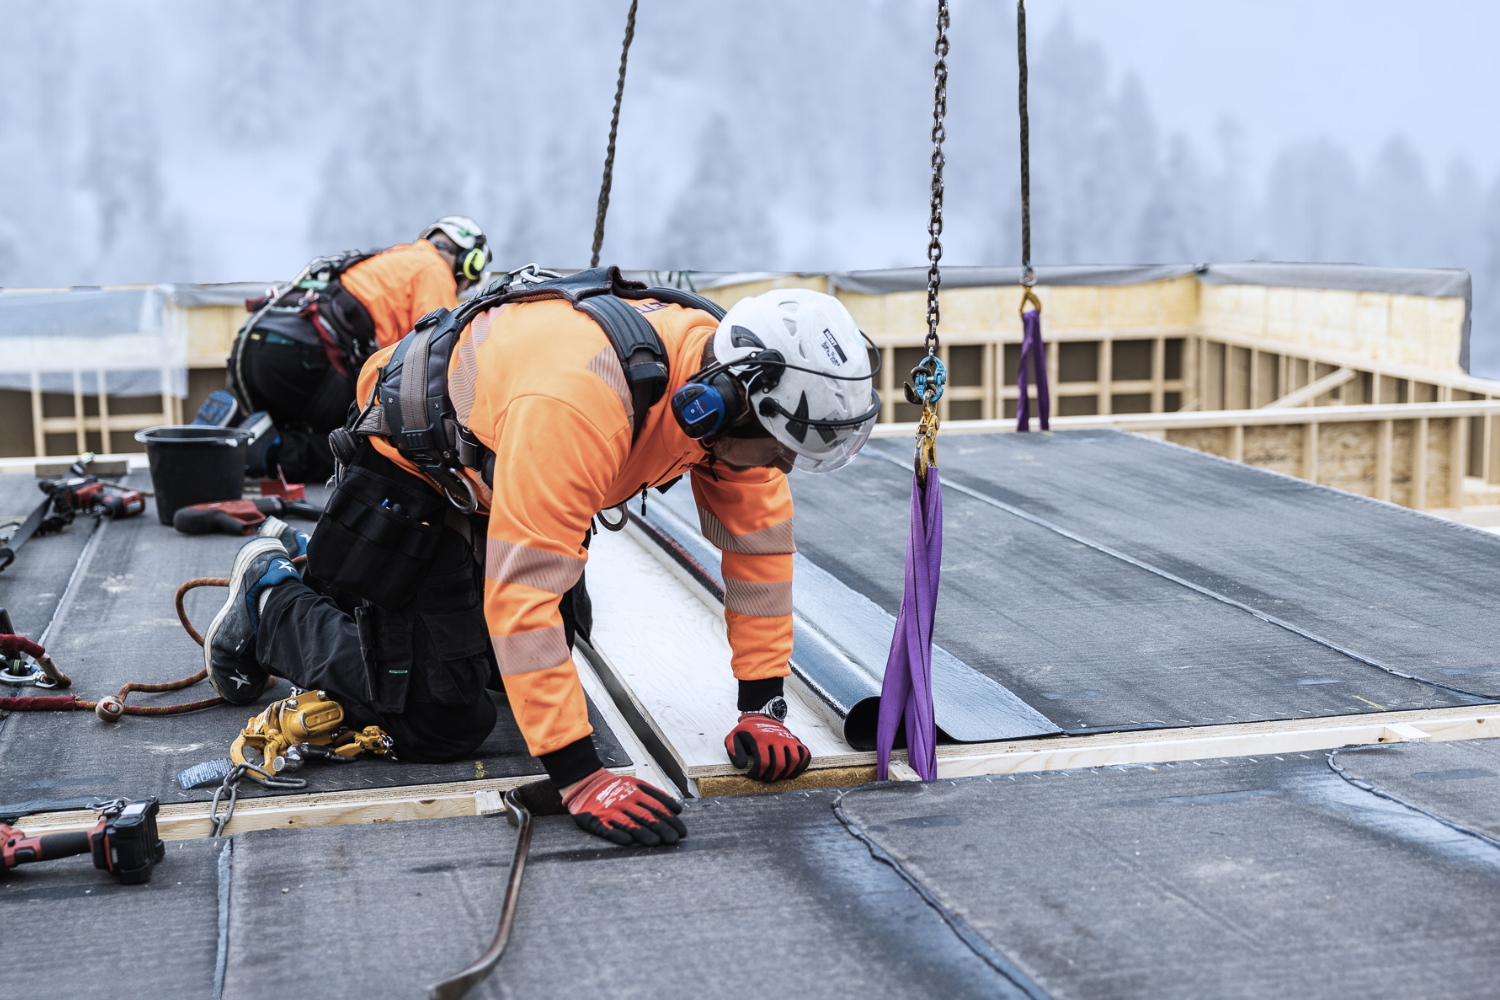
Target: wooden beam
{"type": "Point", "coordinates": [1305, 395]}
{"type": "Point", "coordinates": [1106, 375]}
{"type": "Point", "coordinates": [1246, 740]}
{"type": "Point", "coordinates": [1419, 466]}
{"type": "Point", "coordinates": [1223, 418]}
{"type": "Point", "coordinates": [1458, 459]}
{"type": "Point", "coordinates": [79, 431]}
{"type": "Point", "coordinates": [1383, 442]}
{"type": "Point", "coordinates": [189, 820]}
{"type": "Point", "coordinates": [38, 435]}
{"type": "Point", "coordinates": [1310, 453]}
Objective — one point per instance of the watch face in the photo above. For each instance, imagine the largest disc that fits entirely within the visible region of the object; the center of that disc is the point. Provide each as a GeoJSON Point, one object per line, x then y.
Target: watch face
{"type": "Point", "coordinates": [775, 708]}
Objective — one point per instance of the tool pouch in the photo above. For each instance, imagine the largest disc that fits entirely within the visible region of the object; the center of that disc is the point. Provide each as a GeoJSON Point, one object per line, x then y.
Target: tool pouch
{"type": "Point", "coordinates": [385, 643]}
{"type": "Point", "coordinates": [377, 537]}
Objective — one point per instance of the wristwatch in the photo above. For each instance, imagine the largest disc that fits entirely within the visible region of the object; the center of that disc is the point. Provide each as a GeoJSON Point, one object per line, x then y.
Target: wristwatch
{"type": "Point", "coordinates": [775, 708]}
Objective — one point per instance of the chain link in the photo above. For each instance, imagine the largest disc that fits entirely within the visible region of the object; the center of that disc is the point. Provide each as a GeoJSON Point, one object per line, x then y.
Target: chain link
{"type": "Point", "coordinates": [614, 128]}
{"type": "Point", "coordinates": [939, 133]}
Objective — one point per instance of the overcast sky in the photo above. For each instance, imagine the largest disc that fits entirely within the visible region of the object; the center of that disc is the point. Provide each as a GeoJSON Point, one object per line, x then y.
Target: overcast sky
{"type": "Point", "coordinates": [1354, 72]}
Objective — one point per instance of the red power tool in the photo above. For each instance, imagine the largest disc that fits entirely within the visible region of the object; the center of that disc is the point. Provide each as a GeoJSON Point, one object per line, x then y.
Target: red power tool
{"type": "Point", "coordinates": [238, 517]}
{"type": "Point", "coordinates": [125, 843]}
{"type": "Point", "coordinates": [79, 494]}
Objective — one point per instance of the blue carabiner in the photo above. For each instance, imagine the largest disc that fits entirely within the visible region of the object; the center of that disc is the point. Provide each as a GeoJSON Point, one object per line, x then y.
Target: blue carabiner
{"type": "Point", "coordinates": [930, 376]}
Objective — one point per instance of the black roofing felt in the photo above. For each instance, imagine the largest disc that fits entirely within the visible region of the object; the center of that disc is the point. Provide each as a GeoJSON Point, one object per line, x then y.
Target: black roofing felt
{"type": "Point", "coordinates": [121, 626]}
{"type": "Point", "coordinates": [31, 586]}
{"type": "Point", "coordinates": [768, 897]}
{"type": "Point", "coordinates": [1251, 877]}
{"type": "Point", "coordinates": [1418, 591]}
{"type": "Point", "coordinates": [1094, 642]}
{"type": "Point", "coordinates": [73, 931]}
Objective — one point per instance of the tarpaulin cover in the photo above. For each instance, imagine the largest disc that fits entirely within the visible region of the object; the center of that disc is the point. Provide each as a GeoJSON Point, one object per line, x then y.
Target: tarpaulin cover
{"type": "Point", "coordinates": [123, 333]}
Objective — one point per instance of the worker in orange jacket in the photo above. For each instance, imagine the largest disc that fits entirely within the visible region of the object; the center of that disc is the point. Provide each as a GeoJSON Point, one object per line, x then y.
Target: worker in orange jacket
{"type": "Point", "coordinates": [783, 380]}
{"type": "Point", "coordinates": [298, 356]}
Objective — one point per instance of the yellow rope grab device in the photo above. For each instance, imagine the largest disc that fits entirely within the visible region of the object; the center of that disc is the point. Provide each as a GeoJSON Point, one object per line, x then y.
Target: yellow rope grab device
{"type": "Point", "coordinates": [305, 726]}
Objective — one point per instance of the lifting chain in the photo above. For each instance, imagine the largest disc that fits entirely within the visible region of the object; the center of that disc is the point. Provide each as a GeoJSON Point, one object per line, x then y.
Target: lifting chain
{"type": "Point", "coordinates": [939, 133]}
{"type": "Point", "coordinates": [614, 128]}
{"type": "Point", "coordinates": [930, 376]}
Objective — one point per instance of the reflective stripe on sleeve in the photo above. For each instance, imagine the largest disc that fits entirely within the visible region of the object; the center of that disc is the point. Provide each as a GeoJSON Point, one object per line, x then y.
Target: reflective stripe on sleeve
{"type": "Point", "coordinates": [775, 540]}
{"type": "Point", "coordinates": [554, 572]}
{"type": "Point", "coordinates": [606, 364]}
{"type": "Point", "coordinates": [760, 600]}
{"type": "Point", "coordinates": [528, 652]}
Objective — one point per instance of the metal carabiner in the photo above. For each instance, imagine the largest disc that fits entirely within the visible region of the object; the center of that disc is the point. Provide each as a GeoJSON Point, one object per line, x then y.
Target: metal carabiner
{"type": "Point", "coordinates": [473, 503]}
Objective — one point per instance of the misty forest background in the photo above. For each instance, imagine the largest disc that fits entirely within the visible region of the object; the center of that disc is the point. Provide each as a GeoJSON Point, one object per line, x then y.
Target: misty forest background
{"type": "Point", "coordinates": [189, 142]}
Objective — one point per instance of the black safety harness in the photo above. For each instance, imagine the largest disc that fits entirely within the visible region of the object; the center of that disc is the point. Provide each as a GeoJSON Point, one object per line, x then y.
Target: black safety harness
{"type": "Point", "coordinates": [314, 310]}
{"type": "Point", "coordinates": [416, 415]}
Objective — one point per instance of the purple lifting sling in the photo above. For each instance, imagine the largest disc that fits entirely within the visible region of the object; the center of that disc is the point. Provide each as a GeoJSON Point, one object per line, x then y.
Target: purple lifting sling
{"type": "Point", "coordinates": [1033, 349]}
{"type": "Point", "coordinates": [906, 694]}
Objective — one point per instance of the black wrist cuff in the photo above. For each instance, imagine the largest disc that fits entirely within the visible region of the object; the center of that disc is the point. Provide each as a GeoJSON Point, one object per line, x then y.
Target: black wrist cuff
{"type": "Point", "coordinates": [755, 694]}
{"type": "Point", "coordinates": [573, 762]}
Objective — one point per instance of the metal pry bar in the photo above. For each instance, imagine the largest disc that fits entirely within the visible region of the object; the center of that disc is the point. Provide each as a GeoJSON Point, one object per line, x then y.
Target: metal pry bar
{"type": "Point", "coordinates": [456, 986]}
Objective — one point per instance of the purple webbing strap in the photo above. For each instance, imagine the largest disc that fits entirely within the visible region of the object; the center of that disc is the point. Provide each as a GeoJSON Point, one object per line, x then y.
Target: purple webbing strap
{"type": "Point", "coordinates": [1033, 348]}
{"type": "Point", "coordinates": [907, 691]}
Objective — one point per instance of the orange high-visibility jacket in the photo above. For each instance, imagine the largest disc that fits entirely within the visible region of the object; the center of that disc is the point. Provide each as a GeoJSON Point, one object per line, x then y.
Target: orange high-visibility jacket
{"type": "Point", "coordinates": [540, 386]}
{"type": "Point", "coordinates": [401, 285]}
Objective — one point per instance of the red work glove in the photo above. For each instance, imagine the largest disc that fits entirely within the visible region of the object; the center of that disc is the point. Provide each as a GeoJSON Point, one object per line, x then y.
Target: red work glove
{"type": "Point", "coordinates": [625, 810]}
{"type": "Point", "coordinates": [768, 747]}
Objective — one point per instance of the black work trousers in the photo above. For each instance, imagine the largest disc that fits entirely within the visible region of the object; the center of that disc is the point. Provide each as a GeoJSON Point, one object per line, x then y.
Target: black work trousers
{"type": "Point", "coordinates": [420, 674]}
{"type": "Point", "coordinates": [422, 671]}
{"type": "Point", "coordinates": [305, 396]}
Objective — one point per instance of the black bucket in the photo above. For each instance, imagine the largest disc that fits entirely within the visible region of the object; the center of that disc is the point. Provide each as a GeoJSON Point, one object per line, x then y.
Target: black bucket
{"type": "Point", "coordinates": [194, 464]}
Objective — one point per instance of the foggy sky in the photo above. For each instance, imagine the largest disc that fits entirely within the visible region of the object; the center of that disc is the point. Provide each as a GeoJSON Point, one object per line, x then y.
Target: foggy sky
{"type": "Point", "coordinates": [176, 141]}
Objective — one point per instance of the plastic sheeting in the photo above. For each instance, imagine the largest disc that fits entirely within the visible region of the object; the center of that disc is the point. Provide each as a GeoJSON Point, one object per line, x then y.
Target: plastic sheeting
{"type": "Point", "coordinates": [69, 340]}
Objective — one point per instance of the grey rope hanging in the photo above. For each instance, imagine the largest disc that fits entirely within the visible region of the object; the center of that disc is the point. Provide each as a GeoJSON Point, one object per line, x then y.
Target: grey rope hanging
{"type": "Point", "coordinates": [614, 129]}
{"type": "Point", "coordinates": [1033, 349]}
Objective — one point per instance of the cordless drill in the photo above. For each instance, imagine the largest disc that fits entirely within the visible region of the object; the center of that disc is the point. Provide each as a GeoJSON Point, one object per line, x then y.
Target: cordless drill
{"type": "Point", "coordinates": [125, 843]}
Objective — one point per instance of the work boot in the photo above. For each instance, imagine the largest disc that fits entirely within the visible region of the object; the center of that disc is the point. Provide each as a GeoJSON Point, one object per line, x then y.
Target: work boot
{"type": "Point", "coordinates": [294, 541]}
{"type": "Point", "coordinates": [229, 643]}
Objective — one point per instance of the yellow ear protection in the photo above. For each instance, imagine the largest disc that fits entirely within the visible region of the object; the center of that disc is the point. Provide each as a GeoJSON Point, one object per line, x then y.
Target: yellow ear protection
{"type": "Point", "coordinates": [468, 264]}
{"type": "Point", "coordinates": [471, 263]}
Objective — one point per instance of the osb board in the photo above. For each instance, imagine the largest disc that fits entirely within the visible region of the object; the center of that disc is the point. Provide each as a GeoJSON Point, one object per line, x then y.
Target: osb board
{"type": "Point", "coordinates": [1403, 436]}
{"type": "Point", "coordinates": [1278, 448]}
{"type": "Point", "coordinates": [1346, 455]}
{"type": "Point", "coordinates": [1214, 440]}
{"type": "Point", "coordinates": [831, 777]}
{"type": "Point", "coordinates": [1440, 463]}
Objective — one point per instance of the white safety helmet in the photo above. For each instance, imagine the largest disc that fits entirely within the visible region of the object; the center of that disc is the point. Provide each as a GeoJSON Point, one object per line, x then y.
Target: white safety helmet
{"type": "Point", "coordinates": [813, 391]}
{"type": "Point", "coordinates": [474, 253]}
